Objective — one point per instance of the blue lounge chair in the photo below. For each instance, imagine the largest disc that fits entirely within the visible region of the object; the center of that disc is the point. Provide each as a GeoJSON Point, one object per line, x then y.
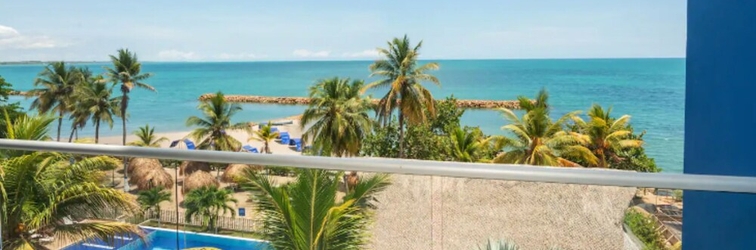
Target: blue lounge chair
{"type": "Point", "coordinates": [285, 138]}
{"type": "Point", "coordinates": [296, 142]}
{"type": "Point", "coordinates": [250, 149]}
{"type": "Point", "coordinates": [189, 144]}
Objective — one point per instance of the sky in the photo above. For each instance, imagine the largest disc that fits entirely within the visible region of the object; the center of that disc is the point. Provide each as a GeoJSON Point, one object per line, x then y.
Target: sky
{"type": "Point", "coordinates": [283, 30]}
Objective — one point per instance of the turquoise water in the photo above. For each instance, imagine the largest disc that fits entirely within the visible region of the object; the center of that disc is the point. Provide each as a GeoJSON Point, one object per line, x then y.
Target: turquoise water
{"type": "Point", "coordinates": [161, 239]}
{"type": "Point", "coordinates": [652, 91]}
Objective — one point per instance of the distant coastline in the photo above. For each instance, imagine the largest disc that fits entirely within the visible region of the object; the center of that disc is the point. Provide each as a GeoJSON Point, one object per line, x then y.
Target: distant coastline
{"type": "Point", "coordinates": [44, 62]}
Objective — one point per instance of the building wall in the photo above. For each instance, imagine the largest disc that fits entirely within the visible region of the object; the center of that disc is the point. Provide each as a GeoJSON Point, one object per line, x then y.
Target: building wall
{"type": "Point", "coordinates": [720, 121]}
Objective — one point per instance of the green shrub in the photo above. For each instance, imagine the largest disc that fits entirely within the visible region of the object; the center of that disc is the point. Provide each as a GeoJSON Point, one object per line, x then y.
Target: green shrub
{"type": "Point", "coordinates": [678, 195]}
{"type": "Point", "coordinates": [645, 229]}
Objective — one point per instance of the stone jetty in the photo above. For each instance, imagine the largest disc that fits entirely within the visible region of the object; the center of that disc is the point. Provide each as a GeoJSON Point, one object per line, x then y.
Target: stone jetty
{"type": "Point", "coordinates": [472, 104]}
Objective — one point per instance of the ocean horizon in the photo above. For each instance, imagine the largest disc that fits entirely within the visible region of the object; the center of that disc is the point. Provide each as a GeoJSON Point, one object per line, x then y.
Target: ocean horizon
{"type": "Point", "coordinates": [651, 90]}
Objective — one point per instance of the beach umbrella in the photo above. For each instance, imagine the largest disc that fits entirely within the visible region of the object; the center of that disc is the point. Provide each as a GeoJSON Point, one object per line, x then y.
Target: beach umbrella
{"type": "Point", "coordinates": [183, 143]}
{"type": "Point", "coordinates": [234, 171]}
{"type": "Point", "coordinates": [189, 167]}
{"type": "Point", "coordinates": [150, 177]}
{"type": "Point", "coordinates": [135, 163]}
{"type": "Point", "coordinates": [197, 180]}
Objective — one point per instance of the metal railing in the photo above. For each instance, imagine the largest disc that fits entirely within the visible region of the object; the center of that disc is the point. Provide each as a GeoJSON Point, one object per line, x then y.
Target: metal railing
{"type": "Point", "coordinates": [512, 172]}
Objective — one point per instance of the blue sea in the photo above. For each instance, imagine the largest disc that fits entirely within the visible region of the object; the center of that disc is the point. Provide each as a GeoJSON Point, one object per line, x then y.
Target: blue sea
{"type": "Point", "coordinates": [652, 91]}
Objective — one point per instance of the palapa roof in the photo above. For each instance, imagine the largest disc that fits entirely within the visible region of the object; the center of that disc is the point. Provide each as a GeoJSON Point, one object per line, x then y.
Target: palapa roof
{"type": "Point", "coordinates": [234, 171]}
{"type": "Point", "coordinates": [149, 177]}
{"type": "Point", "coordinates": [460, 213]}
{"type": "Point", "coordinates": [197, 180]}
{"type": "Point", "coordinates": [189, 167]}
{"type": "Point", "coordinates": [135, 163]}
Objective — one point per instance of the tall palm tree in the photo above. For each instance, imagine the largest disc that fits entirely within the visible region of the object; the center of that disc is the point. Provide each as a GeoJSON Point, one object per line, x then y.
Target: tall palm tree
{"type": "Point", "coordinates": [306, 214]}
{"type": "Point", "coordinates": [466, 146]}
{"type": "Point", "coordinates": [54, 88]}
{"type": "Point", "coordinates": [151, 199]}
{"type": "Point", "coordinates": [403, 77]}
{"type": "Point", "coordinates": [606, 135]}
{"type": "Point", "coordinates": [337, 116]}
{"type": "Point", "coordinates": [211, 131]}
{"type": "Point", "coordinates": [537, 140]}
{"type": "Point", "coordinates": [127, 70]}
{"type": "Point", "coordinates": [147, 137]}
{"type": "Point", "coordinates": [265, 134]}
{"type": "Point", "coordinates": [95, 99]}
{"type": "Point", "coordinates": [41, 190]}
{"type": "Point", "coordinates": [208, 203]}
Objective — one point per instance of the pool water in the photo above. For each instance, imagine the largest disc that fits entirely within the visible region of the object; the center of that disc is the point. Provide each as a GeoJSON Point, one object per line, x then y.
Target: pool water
{"type": "Point", "coordinates": [162, 239]}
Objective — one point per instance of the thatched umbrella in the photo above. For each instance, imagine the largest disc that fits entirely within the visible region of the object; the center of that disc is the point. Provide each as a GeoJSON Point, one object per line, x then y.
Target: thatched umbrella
{"type": "Point", "coordinates": [135, 163]}
{"type": "Point", "coordinates": [189, 167]}
{"type": "Point", "coordinates": [150, 177]}
{"type": "Point", "coordinates": [197, 180]}
{"type": "Point", "coordinates": [235, 171]}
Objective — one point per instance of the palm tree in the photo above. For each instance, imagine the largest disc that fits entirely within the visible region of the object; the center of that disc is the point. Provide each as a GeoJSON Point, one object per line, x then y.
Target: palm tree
{"type": "Point", "coordinates": [306, 213]}
{"type": "Point", "coordinates": [216, 121]}
{"type": "Point", "coordinates": [54, 89]}
{"type": "Point", "coordinates": [403, 77]}
{"type": "Point", "coordinates": [147, 137]}
{"type": "Point", "coordinates": [466, 146]}
{"type": "Point", "coordinates": [537, 140]}
{"type": "Point", "coordinates": [606, 135]}
{"type": "Point", "coordinates": [208, 202]}
{"type": "Point", "coordinates": [95, 99]}
{"type": "Point", "coordinates": [338, 116]}
{"type": "Point", "coordinates": [26, 127]}
{"type": "Point", "coordinates": [152, 198]}
{"type": "Point", "coordinates": [42, 190]}
{"type": "Point", "coordinates": [265, 134]}
{"type": "Point", "coordinates": [127, 70]}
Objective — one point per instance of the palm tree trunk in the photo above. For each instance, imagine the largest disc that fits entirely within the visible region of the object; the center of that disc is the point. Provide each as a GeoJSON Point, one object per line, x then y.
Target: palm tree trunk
{"type": "Point", "coordinates": [97, 131]}
{"type": "Point", "coordinates": [401, 135]}
{"type": "Point", "coordinates": [267, 149]}
{"type": "Point", "coordinates": [124, 106]}
{"type": "Point", "coordinates": [70, 138]}
{"type": "Point", "coordinates": [60, 123]}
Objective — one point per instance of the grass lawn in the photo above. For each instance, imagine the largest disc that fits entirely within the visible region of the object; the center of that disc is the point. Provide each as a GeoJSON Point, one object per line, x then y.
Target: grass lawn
{"type": "Point", "coordinates": [197, 229]}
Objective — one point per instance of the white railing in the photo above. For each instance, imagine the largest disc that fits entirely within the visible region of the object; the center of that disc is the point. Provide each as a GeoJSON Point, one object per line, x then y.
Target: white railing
{"type": "Point", "coordinates": [416, 167]}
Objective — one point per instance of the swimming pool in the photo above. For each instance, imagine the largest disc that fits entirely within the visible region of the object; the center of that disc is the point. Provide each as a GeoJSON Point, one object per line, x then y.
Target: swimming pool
{"type": "Point", "coordinates": [163, 239]}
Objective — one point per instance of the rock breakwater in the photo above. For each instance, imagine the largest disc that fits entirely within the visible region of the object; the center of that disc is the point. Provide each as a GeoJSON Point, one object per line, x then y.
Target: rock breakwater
{"type": "Point", "coordinates": [473, 104]}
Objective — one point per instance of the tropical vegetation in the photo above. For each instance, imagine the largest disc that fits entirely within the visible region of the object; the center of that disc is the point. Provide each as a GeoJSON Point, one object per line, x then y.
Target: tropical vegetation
{"type": "Point", "coordinates": [44, 192]}
{"type": "Point", "coordinates": [150, 199]}
{"type": "Point", "coordinates": [208, 203]}
{"type": "Point", "coordinates": [503, 245]}
{"type": "Point", "coordinates": [54, 90]}
{"type": "Point", "coordinates": [644, 227]}
{"type": "Point", "coordinates": [13, 110]}
{"type": "Point", "coordinates": [400, 73]}
{"type": "Point", "coordinates": [307, 213]}
{"type": "Point", "coordinates": [337, 117]}
{"type": "Point", "coordinates": [94, 101]}
{"type": "Point", "coordinates": [211, 128]}
{"type": "Point", "coordinates": [606, 135]}
{"type": "Point", "coordinates": [265, 134]}
{"type": "Point", "coordinates": [536, 139]}
{"type": "Point", "coordinates": [147, 138]}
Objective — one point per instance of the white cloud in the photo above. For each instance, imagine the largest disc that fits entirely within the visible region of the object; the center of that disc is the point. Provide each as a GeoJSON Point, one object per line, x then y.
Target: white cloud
{"type": "Point", "coordinates": [177, 55]}
{"type": "Point", "coordinates": [307, 53]}
{"type": "Point", "coordinates": [371, 53]}
{"type": "Point", "coordinates": [239, 56]}
{"type": "Point", "coordinates": [10, 38]}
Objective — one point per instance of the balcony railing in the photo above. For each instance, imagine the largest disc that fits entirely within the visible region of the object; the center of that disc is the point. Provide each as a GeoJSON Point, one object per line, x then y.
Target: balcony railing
{"type": "Point", "coordinates": [573, 212]}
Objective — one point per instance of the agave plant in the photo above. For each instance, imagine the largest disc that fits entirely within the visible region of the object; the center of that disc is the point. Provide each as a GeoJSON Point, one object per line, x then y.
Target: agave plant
{"type": "Point", "coordinates": [504, 245]}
